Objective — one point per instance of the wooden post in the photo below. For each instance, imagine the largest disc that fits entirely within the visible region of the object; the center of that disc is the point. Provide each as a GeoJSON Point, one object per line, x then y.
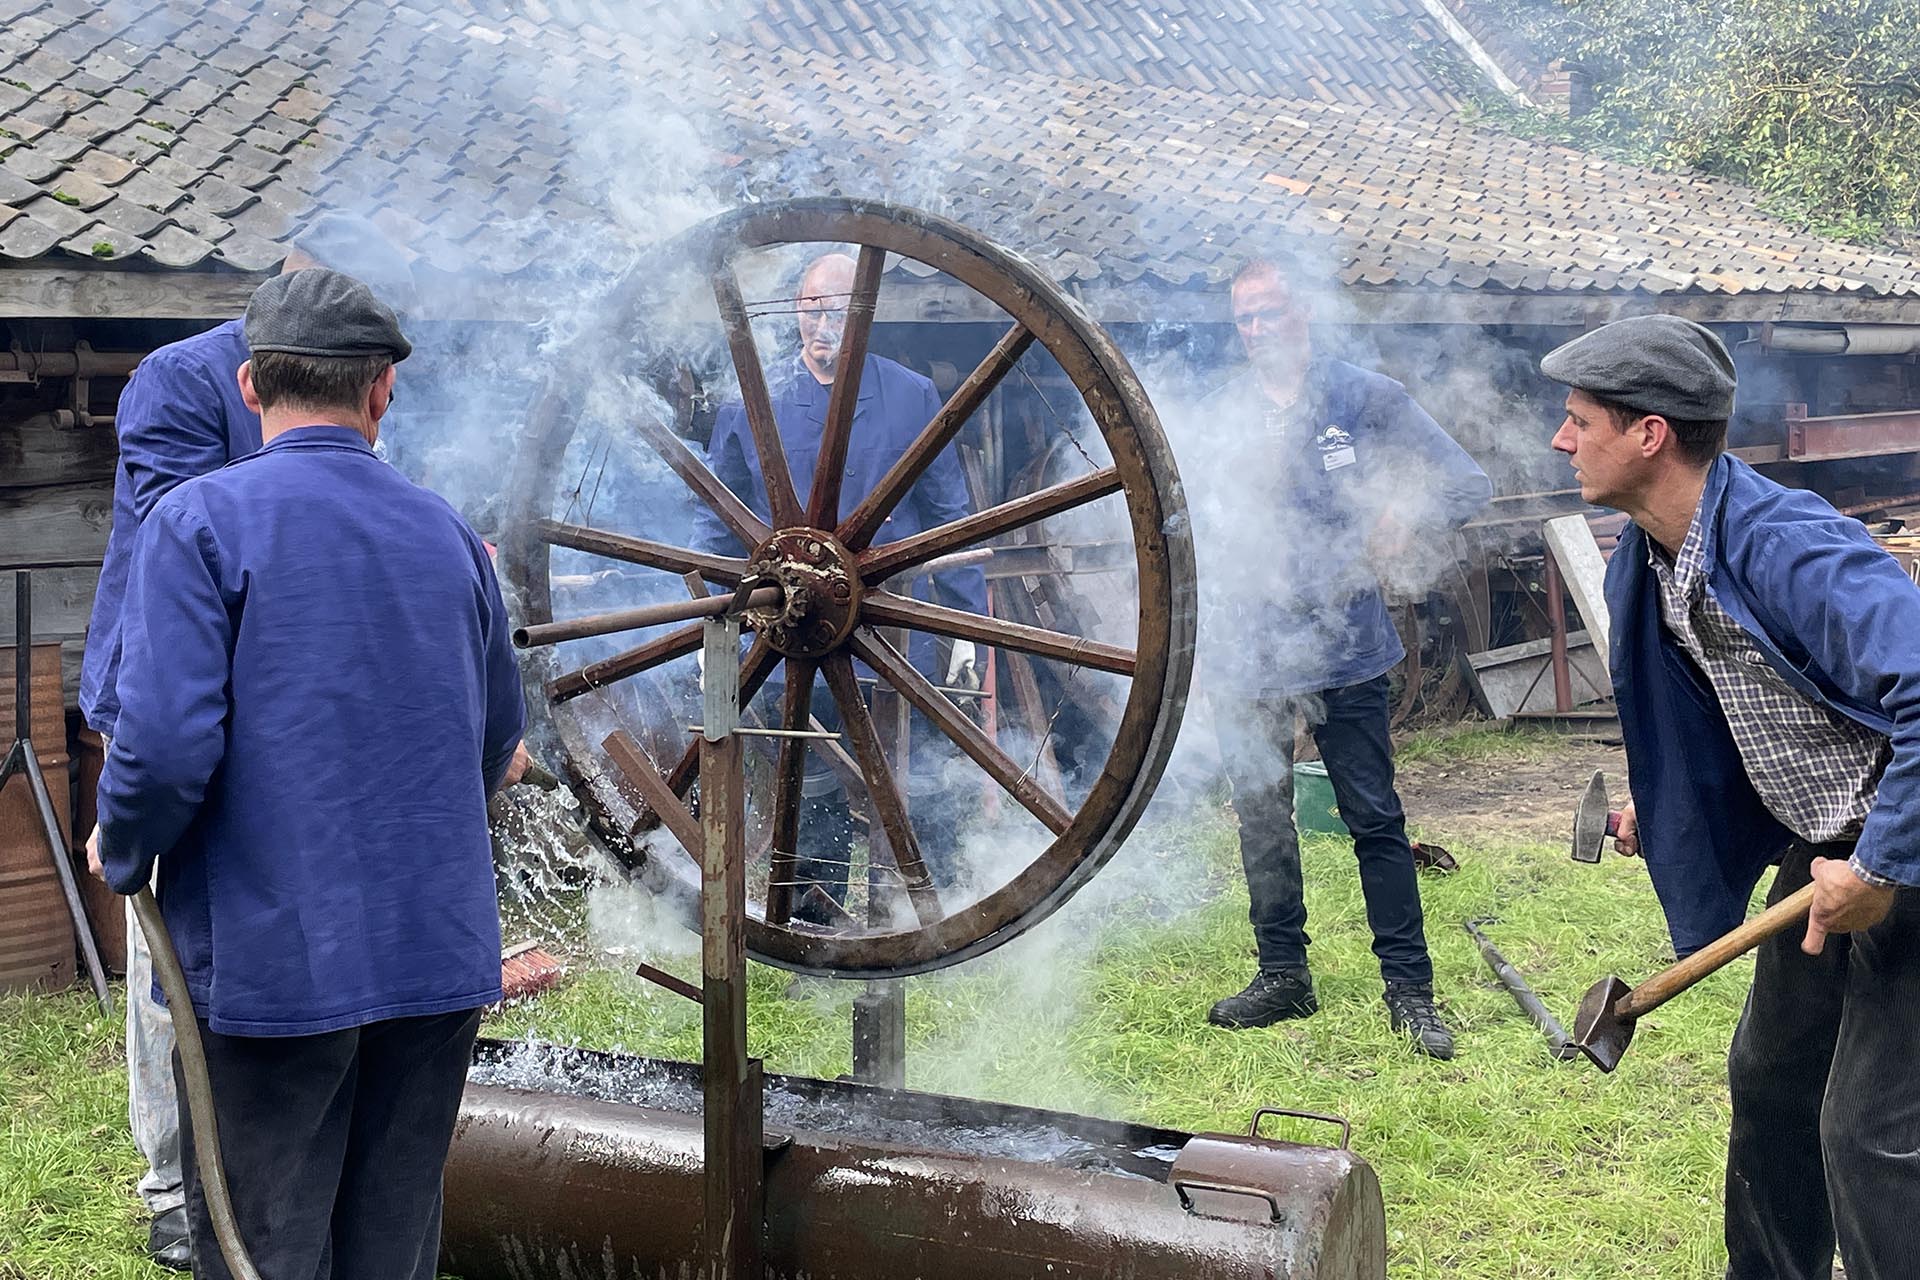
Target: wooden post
{"type": "Point", "coordinates": [732, 1081]}
{"type": "Point", "coordinates": [880, 1011]}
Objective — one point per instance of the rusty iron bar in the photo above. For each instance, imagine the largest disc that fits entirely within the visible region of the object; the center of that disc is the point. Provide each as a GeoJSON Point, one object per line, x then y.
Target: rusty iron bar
{"type": "Point", "coordinates": [1880, 504]}
{"type": "Point", "coordinates": [652, 615]}
{"type": "Point", "coordinates": [1557, 645]}
{"type": "Point", "coordinates": [661, 978]}
{"type": "Point", "coordinates": [1854, 435]}
{"type": "Point", "coordinates": [83, 361]}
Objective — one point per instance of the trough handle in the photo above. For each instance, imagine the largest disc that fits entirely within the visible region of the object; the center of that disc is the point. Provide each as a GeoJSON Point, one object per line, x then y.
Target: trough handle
{"type": "Point", "coordinates": [1346, 1125]}
{"type": "Point", "coordinates": [1181, 1187]}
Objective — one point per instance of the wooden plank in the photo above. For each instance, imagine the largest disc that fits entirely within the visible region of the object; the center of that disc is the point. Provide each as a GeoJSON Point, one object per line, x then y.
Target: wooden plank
{"type": "Point", "coordinates": [52, 293]}
{"type": "Point", "coordinates": [1516, 678]}
{"type": "Point", "coordinates": [56, 522]}
{"type": "Point", "coordinates": [62, 602]}
{"type": "Point", "coordinates": [36, 452]}
{"type": "Point", "coordinates": [1570, 540]}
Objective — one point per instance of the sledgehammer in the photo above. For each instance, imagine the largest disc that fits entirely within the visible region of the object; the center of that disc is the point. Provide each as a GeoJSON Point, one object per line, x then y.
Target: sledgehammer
{"type": "Point", "coordinates": [1604, 1026]}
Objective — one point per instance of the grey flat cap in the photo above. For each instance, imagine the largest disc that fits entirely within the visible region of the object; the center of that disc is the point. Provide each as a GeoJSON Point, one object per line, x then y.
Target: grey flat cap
{"type": "Point", "coordinates": [349, 244]}
{"type": "Point", "coordinates": [1656, 364]}
{"type": "Point", "coordinates": [317, 312]}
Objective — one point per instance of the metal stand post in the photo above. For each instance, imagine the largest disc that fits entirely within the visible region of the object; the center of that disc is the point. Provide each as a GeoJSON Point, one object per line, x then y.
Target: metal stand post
{"type": "Point", "coordinates": [880, 1010]}
{"type": "Point", "coordinates": [1557, 624]}
{"type": "Point", "coordinates": [21, 758]}
{"type": "Point", "coordinates": [735, 1176]}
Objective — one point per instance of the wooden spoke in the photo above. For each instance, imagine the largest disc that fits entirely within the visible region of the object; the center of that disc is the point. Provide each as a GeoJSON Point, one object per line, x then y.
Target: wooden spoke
{"type": "Point", "coordinates": [883, 562]}
{"type": "Point", "coordinates": [888, 662]}
{"type": "Point", "coordinates": [890, 810]}
{"type": "Point", "coordinates": [788, 773]}
{"type": "Point", "coordinates": [858, 529]}
{"type": "Point", "coordinates": [903, 611]}
{"type": "Point", "coordinates": [722, 501]}
{"type": "Point", "coordinates": [781, 498]}
{"type": "Point", "coordinates": [823, 504]}
{"type": "Point", "coordinates": [645, 781]}
{"type": "Point", "coordinates": [726, 570]}
{"type": "Point", "coordinates": [675, 644]}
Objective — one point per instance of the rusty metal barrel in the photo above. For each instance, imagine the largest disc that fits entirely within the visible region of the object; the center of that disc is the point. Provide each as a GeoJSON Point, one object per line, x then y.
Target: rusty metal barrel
{"type": "Point", "coordinates": [36, 931]}
{"type": "Point", "coordinates": [596, 1173]}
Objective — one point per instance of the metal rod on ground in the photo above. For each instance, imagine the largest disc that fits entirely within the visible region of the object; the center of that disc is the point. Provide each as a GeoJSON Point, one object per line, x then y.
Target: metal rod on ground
{"type": "Point", "coordinates": [23, 759]}
{"type": "Point", "coordinates": [653, 615]}
{"type": "Point", "coordinates": [734, 1184]}
{"type": "Point", "coordinates": [1560, 1044]}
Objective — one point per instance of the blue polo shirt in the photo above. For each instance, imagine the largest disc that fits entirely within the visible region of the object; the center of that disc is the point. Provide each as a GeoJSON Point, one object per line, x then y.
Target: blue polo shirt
{"type": "Point", "coordinates": [180, 416]}
{"type": "Point", "coordinates": [317, 694]}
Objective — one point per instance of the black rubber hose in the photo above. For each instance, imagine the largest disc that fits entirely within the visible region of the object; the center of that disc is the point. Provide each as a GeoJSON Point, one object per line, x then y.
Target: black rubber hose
{"type": "Point", "coordinates": [193, 1066]}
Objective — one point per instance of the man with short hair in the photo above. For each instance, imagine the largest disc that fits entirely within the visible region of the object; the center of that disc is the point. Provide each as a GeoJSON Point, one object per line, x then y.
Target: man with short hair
{"type": "Point", "coordinates": [317, 695]}
{"type": "Point", "coordinates": [1768, 681]}
{"type": "Point", "coordinates": [180, 416]}
{"type": "Point", "coordinates": [1353, 479]}
{"type": "Point", "coordinates": [894, 406]}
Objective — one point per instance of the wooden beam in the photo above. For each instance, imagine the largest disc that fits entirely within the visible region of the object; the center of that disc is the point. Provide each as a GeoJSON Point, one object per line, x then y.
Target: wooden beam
{"type": "Point", "coordinates": [56, 522]}
{"type": "Point", "coordinates": [1570, 541]}
{"type": "Point", "coordinates": [62, 604]}
{"type": "Point", "coordinates": [67, 293]}
{"type": "Point", "coordinates": [35, 452]}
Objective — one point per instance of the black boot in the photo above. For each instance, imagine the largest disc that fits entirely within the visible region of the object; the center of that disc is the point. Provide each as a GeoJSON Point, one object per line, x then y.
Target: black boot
{"type": "Point", "coordinates": [1273, 996]}
{"type": "Point", "coordinates": [1410, 1010]}
{"type": "Point", "coordinates": [167, 1240]}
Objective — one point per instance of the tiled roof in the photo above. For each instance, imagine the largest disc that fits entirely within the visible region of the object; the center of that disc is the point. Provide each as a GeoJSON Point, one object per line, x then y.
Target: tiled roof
{"type": "Point", "coordinates": [1106, 140]}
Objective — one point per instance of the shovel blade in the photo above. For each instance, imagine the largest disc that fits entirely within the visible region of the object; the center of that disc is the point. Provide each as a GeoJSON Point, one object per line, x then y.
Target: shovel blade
{"type": "Point", "coordinates": [1599, 1032]}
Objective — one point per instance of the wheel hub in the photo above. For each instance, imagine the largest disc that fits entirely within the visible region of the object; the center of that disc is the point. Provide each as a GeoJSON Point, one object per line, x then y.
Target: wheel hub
{"type": "Point", "coordinates": [822, 582]}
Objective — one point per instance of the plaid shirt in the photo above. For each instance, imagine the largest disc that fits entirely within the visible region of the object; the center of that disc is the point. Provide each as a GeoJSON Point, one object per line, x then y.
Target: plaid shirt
{"type": "Point", "coordinates": [1815, 769]}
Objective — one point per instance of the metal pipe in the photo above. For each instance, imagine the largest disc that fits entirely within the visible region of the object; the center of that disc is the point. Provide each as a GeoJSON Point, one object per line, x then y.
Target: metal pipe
{"type": "Point", "coordinates": [1842, 340]}
{"type": "Point", "coordinates": [19, 365]}
{"type": "Point", "coordinates": [1558, 1041]}
{"type": "Point", "coordinates": [653, 615]}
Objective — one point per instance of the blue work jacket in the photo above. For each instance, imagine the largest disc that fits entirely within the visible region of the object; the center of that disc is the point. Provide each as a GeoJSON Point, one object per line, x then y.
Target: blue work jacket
{"type": "Point", "coordinates": [1836, 616]}
{"type": "Point", "coordinates": [1290, 601]}
{"type": "Point", "coordinates": [895, 404]}
{"type": "Point", "coordinates": [180, 416]}
{"type": "Point", "coordinates": [317, 695]}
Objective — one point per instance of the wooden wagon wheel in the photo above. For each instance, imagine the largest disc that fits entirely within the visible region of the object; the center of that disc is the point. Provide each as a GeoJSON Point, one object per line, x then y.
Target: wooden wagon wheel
{"type": "Point", "coordinates": [830, 601]}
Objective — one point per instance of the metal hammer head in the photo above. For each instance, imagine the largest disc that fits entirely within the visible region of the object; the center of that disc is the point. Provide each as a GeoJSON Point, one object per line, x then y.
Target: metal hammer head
{"type": "Point", "coordinates": [1590, 825]}
{"type": "Point", "coordinates": [1599, 1032]}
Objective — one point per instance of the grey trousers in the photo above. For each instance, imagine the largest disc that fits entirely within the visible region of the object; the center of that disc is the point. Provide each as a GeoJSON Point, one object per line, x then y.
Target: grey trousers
{"type": "Point", "coordinates": [153, 1112]}
{"type": "Point", "coordinates": [1825, 1077]}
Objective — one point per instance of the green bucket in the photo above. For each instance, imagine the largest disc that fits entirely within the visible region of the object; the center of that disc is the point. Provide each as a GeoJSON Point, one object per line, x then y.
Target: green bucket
{"type": "Point", "coordinates": [1313, 806]}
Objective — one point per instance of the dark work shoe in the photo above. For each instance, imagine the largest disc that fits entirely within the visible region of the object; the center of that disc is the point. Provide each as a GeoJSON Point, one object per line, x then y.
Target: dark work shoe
{"type": "Point", "coordinates": [1410, 1010]}
{"type": "Point", "coordinates": [1273, 996]}
{"type": "Point", "coordinates": [167, 1240]}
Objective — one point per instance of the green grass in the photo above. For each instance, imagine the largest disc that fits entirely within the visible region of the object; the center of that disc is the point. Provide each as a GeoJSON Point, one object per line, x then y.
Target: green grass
{"type": "Point", "coordinates": [1501, 1163]}
{"type": "Point", "coordinates": [1476, 740]}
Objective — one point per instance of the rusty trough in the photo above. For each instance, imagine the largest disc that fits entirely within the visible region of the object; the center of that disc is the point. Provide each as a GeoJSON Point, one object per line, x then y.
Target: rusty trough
{"type": "Point", "coordinates": [588, 1165]}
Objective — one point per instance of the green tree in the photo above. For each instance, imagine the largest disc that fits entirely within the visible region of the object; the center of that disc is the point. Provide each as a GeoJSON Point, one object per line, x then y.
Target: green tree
{"type": "Point", "coordinates": [1816, 103]}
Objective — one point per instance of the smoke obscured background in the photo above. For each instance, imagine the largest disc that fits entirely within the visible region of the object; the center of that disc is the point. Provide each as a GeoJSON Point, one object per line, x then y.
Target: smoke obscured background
{"type": "Point", "coordinates": [652, 118]}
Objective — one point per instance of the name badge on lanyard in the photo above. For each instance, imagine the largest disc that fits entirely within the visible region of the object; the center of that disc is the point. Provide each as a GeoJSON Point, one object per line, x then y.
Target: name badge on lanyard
{"type": "Point", "coordinates": [1336, 448]}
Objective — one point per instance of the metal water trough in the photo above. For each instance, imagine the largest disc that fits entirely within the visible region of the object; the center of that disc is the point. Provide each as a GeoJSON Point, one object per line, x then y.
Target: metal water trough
{"type": "Point", "coordinates": [589, 1166]}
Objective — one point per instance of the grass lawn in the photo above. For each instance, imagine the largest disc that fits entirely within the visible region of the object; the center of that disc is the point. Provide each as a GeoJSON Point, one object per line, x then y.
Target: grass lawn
{"type": "Point", "coordinates": [1501, 1163]}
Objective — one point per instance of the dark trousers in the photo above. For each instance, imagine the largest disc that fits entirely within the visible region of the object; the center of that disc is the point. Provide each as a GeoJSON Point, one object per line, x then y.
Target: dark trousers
{"type": "Point", "coordinates": [1256, 743]}
{"type": "Point", "coordinates": [333, 1146]}
{"type": "Point", "coordinates": [936, 807]}
{"type": "Point", "coordinates": [1826, 1104]}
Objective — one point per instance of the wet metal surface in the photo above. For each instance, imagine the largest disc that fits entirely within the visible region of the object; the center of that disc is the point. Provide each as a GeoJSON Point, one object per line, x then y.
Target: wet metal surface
{"type": "Point", "coordinates": [599, 1174]}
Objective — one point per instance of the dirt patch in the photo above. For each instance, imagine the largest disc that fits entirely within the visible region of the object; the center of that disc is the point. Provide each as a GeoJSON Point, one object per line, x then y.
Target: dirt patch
{"type": "Point", "coordinates": [1525, 795]}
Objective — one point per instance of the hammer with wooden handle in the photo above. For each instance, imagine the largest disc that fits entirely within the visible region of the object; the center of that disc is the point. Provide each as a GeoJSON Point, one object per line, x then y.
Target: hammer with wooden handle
{"type": "Point", "coordinates": [1604, 1026]}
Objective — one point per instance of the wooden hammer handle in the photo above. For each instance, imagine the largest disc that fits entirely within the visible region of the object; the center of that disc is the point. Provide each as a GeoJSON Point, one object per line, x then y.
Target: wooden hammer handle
{"type": "Point", "coordinates": [1668, 983]}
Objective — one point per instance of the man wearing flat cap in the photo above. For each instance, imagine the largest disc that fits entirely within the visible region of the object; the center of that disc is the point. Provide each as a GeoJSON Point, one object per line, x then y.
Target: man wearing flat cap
{"type": "Point", "coordinates": [317, 695]}
{"type": "Point", "coordinates": [1766, 662]}
{"type": "Point", "coordinates": [181, 416]}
